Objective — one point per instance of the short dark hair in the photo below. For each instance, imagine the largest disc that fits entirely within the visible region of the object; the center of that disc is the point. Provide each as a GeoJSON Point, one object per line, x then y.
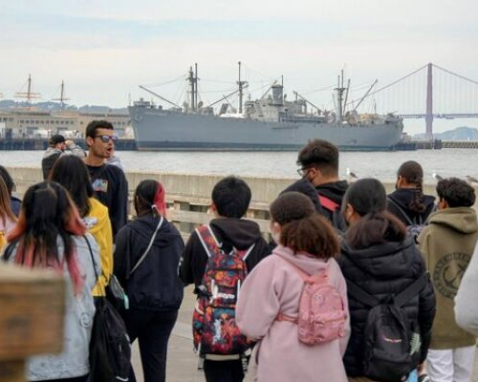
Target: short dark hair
{"type": "Point", "coordinates": [95, 125]}
{"type": "Point", "coordinates": [320, 154]}
{"type": "Point", "coordinates": [71, 172]}
{"type": "Point", "coordinates": [231, 197]}
{"type": "Point", "coordinates": [55, 139]}
{"type": "Point", "coordinates": [368, 198]}
{"type": "Point", "coordinates": [456, 192]}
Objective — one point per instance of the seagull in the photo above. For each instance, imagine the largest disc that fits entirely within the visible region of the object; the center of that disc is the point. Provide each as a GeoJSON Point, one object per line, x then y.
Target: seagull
{"type": "Point", "coordinates": [436, 176]}
{"type": "Point", "coordinates": [471, 180]}
{"type": "Point", "coordinates": [351, 175]}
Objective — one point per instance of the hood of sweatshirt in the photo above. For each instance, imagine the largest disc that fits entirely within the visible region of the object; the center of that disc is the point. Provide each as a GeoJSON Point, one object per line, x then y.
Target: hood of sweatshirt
{"type": "Point", "coordinates": [144, 226]}
{"type": "Point", "coordinates": [461, 219]}
{"type": "Point", "coordinates": [303, 261]}
{"type": "Point", "coordinates": [387, 260]}
{"type": "Point", "coordinates": [239, 233]}
{"type": "Point", "coordinates": [334, 191]}
{"type": "Point", "coordinates": [304, 186]}
{"type": "Point", "coordinates": [404, 196]}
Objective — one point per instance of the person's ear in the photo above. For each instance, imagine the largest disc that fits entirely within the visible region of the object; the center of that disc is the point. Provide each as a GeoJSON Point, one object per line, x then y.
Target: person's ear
{"type": "Point", "coordinates": [89, 141]}
{"type": "Point", "coordinates": [442, 204]}
{"type": "Point", "coordinates": [399, 181]}
{"type": "Point", "coordinates": [275, 227]}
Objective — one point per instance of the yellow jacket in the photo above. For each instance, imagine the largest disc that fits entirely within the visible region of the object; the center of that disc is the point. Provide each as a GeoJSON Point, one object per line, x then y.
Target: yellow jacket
{"type": "Point", "coordinates": [99, 225]}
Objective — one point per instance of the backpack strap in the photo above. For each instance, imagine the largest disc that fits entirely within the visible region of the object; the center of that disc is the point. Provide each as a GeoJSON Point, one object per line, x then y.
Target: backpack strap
{"type": "Point", "coordinates": [208, 240]}
{"type": "Point", "coordinates": [148, 248]}
{"type": "Point", "coordinates": [412, 290]}
{"type": "Point", "coordinates": [406, 295]}
{"type": "Point", "coordinates": [359, 294]}
{"type": "Point", "coordinates": [211, 244]}
{"type": "Point", "coordinates": [402, 212]}
{"type": "Point", "coordinates": [328, 203]}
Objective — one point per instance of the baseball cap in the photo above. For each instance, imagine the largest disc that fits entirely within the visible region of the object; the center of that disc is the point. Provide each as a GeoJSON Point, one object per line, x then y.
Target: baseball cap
{"type": "Point", "coordinates": [57, 138]}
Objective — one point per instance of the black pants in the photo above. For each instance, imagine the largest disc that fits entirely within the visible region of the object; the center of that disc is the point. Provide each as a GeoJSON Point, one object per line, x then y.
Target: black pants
{"type": "Point", "coordinates": [152, 329]}
{"type": "Point", "coordinates": [223, 371]}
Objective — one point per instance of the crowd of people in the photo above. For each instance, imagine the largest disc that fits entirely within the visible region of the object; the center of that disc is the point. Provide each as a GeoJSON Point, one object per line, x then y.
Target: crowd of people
{"type": "Point", "coordinates": [351, 284]}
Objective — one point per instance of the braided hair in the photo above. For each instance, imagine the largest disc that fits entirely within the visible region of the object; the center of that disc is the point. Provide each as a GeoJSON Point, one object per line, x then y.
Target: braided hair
{"type": "Point", "coordinates": [412, 172]}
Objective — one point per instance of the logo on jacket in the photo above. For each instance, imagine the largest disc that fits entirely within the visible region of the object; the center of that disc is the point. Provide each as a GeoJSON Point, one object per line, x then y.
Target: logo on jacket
{"type": "Point", "coordinates": [448, 273]}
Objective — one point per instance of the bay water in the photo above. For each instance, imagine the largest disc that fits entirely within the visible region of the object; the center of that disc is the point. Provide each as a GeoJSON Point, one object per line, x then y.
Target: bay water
{"type": "Point", "coordinates": [381, 165]}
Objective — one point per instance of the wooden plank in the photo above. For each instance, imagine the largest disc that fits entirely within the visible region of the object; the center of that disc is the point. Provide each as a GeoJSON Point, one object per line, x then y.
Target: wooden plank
{"type": "Point", "coordinates": [12, 371]}
{"type": "Point", "coordinates": [32, 312]}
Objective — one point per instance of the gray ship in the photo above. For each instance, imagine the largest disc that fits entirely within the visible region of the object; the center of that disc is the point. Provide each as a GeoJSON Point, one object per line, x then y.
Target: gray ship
{"type": "Point", "coordinates": [270, 123]}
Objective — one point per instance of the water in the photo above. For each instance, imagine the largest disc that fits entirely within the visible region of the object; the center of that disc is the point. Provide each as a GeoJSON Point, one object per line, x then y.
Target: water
{"type": "Point", "coordinates": [381, 165]}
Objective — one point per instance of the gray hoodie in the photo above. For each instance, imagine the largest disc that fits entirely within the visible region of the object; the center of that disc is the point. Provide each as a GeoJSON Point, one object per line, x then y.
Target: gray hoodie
{"type": "Point", "coordinates": [466, 309]}
{"type": "Point", "coordinates": [80, 311]}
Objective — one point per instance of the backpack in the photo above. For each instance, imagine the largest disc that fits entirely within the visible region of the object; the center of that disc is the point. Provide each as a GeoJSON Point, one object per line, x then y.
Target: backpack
{"type": "Point", "coordinates": [214, 320]}
{"type": "Point", "coordinates": [392, 343]}
{"type": "Point", "coordinates": [415, 226]}
{"type": "Point", "coordinates": [333, 209]}
{"type": "Point", "coordinates": [110, 348]}
{"type": "Point", "coordinates": [322, 312]}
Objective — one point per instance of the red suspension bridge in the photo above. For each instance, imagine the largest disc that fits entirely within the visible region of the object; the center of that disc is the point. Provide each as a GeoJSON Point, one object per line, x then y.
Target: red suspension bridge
{"type": "Point", "coordinates": [430, 92]}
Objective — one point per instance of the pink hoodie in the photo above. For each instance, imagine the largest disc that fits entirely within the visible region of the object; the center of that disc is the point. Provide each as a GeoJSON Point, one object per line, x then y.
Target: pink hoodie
{"type": "Point", "coordinates": [275, 287]}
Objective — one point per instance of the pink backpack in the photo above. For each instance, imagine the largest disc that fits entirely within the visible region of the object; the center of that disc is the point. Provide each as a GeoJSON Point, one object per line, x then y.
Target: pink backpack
{"type": "Point", "coordinates": [322, 312]}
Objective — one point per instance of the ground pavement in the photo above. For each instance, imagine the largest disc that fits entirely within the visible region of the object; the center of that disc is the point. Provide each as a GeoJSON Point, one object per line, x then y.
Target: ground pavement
{"type": "Point", "coordinates": [182, 362]}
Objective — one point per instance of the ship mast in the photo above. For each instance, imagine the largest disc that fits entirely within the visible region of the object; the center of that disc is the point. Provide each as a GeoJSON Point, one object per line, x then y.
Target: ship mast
{"type": "Point", "coordinates": [193, 82]}
{"type": "Point", "coordinates": [340, 96]}
{"type": "Point", "coordinates": [62, 96]}
{"type": "Point", "coordinates": [241, 87]}
{"type": "Point", "coordinates": [29, 95]}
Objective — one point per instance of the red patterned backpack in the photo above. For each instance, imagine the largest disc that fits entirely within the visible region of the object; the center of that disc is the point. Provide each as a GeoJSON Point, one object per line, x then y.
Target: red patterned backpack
{"type": "Point", "coordinates": [214, 320]}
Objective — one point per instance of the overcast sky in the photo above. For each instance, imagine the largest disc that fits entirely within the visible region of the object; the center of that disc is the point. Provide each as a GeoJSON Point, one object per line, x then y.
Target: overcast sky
{"type": "Point", "coordinates": [104, 49]}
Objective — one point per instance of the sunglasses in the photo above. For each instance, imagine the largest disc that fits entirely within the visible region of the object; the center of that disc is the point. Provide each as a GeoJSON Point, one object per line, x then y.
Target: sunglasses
{"type": "Point", "coordinates": [107, 138]}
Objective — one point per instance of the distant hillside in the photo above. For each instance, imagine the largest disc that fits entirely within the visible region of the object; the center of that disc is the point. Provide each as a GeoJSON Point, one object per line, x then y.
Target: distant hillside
{"type": "Point", "coordinates": [11, 104]}
{"type": "Point", "coordinates": [459, 134]}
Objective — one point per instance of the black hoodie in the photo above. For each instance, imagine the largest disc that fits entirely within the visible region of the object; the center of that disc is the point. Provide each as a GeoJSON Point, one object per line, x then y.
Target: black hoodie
{"type": "Point", "coordinates": [231, 232]}
{"type": "Point", "coordinates": [383, 270]}
{"type": "Point", "coordinates": [403, 197]}
{"type": "Point", "coordinates": [155, 284]}
{"type": "Point", "coordinates": [334, 191]}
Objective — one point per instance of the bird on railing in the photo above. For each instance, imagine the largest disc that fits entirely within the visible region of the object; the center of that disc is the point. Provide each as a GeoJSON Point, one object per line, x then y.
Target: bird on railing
{"type": "Point", "coordinates": [351, 175]}
{"type": "Point", "coordinates": [436, 176]}
{"type": "Point", "coordinates": [471, 179]}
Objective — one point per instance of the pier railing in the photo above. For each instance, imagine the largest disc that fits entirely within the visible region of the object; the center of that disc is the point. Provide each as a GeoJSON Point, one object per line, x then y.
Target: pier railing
{"type": "Point", "coordinates": [188, 197]}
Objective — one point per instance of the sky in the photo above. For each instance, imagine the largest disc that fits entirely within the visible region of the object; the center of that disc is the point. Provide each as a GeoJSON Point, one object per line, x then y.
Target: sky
{"type": "Point", "coordinates": [104, 49]}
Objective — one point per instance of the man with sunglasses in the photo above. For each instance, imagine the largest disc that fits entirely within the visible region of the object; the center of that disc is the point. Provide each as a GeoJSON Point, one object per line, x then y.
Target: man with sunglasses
{"type": "Point", "coordinates": [109, 182]}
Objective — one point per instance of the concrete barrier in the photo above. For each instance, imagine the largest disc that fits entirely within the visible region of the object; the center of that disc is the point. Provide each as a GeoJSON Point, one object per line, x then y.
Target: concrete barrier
{"type": "Point", "coordinates": [189, 196]}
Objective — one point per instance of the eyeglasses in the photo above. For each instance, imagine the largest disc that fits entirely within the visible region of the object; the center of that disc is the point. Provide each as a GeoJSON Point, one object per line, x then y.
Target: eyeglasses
{"type": "Point", "coordinates": [303, 171]}
{"type": "Point", "coordinates": [107, 138]}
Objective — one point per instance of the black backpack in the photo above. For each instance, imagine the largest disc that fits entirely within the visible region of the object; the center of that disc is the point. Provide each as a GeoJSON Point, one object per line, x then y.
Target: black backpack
{"type": "Point", "coordinates": [110, 348]}
{"type": "Point", "coordinates": [415, 225]}
{"type": "Point", "coordinates": [392, 342]}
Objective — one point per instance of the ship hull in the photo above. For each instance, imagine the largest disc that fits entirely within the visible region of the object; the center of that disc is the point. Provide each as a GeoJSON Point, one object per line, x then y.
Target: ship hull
{"type": "Point", "coordinates": [164, 130]}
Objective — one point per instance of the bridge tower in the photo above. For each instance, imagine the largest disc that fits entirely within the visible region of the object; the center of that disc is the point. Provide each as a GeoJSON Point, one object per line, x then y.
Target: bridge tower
{"type": "Point", "coordinates": [429, 111]}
